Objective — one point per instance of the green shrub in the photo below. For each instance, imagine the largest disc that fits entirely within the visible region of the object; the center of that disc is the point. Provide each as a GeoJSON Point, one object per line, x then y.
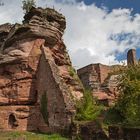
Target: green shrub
{"type": "Point", "coordinates": [87, 109]}
{"type": "Point", "coordinates": [44, 110]}
{"type": "Point", "coordinates": [129, 101]}
{"type": "Point", "coordinates": [113, 116]}
{"type": "Point", "coordinates": [73, 73]}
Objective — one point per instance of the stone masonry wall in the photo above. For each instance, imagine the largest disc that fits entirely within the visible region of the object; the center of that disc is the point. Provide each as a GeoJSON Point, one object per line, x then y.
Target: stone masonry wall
{"type": "Point", "coordinates": [94, 74]}
{"type": "Point", "coordinates": [97, 78]}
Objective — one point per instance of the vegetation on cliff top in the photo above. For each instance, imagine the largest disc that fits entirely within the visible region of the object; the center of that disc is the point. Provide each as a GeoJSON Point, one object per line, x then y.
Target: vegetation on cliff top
{"type": "Point", "coordinates": [27, 5]}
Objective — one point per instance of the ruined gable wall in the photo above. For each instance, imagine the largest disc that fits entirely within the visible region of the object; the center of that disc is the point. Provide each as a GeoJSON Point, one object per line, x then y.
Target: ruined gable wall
{"type": "Point", "coordinates": [104, 71]}
{"type": "Point", "coordinates": [94, 74]}
{"type": "Point", "coordinates": [85, 74]}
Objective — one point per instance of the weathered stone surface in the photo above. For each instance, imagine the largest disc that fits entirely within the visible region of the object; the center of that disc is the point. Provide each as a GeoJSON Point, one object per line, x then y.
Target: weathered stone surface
{"type": "Point", "coordinates": [88, 131]}
{"type": "Point", "coordinates": [122, 133]}
{"type": "Point", "coordinates": [4, 31]}
{"type": "Point", "coordinates": [19, 117]}
{"type": "Point", "coordinates": [37, 90]}
{"type": "Point", "coordinates": [104, 86]}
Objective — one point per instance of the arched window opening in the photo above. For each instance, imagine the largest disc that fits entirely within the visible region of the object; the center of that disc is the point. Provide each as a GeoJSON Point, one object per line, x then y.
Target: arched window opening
{"type": "Point", "coordinates": [12, 121]}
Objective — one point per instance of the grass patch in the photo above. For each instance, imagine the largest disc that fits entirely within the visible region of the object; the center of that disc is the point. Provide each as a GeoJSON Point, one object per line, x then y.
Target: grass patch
{"type": "Point", "coordinates": [29, 136]}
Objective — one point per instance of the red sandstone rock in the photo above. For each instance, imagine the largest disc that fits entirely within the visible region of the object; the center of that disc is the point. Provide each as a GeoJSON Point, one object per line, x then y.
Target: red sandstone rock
{"type": "Point", "coordinates": [37, 91]}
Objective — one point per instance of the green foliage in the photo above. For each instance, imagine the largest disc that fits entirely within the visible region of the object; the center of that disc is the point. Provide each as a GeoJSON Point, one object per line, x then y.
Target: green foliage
{"type": "Point", "coordinates": [78, 137]}
{"type": "Point", "coordinates": [129, 101]}
{"type": "Point", "coordinates": [27, 5]}
{"type": "Point", "coordinates": [29, 136]}
{"type": "Point", "coordinates": [72, 71]}
{"type": "Point", "coordinates": [113, 116]}
{"type": "Point", "coordinates": [44, 108]}
{"type": "Point", "coordinates": [73, 74]}
{"type": "Point", "coordinates": [87, 109]}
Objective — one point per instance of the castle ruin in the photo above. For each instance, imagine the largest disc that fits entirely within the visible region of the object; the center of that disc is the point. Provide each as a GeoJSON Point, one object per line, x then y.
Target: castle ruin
{"type": "Point", "coordinates": [101, 79]}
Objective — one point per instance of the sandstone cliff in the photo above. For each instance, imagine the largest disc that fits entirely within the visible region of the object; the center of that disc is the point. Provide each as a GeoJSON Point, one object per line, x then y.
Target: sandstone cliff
{"type": "Point", "coordinates": [38, 86]}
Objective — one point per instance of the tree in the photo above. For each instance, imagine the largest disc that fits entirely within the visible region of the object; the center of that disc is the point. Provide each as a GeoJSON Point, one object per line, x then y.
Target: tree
{"type": "Point", "coordinates": [1, 3]}
{"type": "Point", "coordinates": [27, 5]}
{"type": "Point", "coordinates": [129, 101]}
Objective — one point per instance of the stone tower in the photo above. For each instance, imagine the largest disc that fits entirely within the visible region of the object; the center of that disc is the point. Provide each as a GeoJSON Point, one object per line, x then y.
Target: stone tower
{"type": "Point", "coordinates": [131, 57]}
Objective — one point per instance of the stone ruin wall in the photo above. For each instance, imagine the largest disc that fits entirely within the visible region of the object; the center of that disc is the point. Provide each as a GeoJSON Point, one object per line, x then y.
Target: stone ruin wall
{"type": "Point", "coordinates": [37, 91]}
{"type": "Point", "coordinates": [94, 75]}
{"type": "Point", "coordinates": [84, 75]}
{"type": "Point", "coordinates": [97, 77]}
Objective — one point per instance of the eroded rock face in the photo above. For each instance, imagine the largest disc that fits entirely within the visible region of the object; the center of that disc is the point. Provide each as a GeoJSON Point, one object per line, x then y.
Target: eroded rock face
{"type": "Point", "coordinates": [38, 86]}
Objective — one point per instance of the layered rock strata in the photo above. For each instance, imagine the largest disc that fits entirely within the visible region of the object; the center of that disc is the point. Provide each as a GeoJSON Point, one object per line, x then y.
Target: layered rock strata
{"type": "Point", "coordinates": [38, 86]}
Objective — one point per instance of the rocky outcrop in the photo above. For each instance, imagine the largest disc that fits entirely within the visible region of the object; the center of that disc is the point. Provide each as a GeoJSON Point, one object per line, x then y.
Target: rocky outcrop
{"type": "Point", "coordinates": [38, 86]}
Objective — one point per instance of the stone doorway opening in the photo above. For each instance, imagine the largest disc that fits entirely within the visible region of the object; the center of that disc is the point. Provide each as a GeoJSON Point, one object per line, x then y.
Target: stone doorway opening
{"type": "Point", "coordinates": [12, 121]}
